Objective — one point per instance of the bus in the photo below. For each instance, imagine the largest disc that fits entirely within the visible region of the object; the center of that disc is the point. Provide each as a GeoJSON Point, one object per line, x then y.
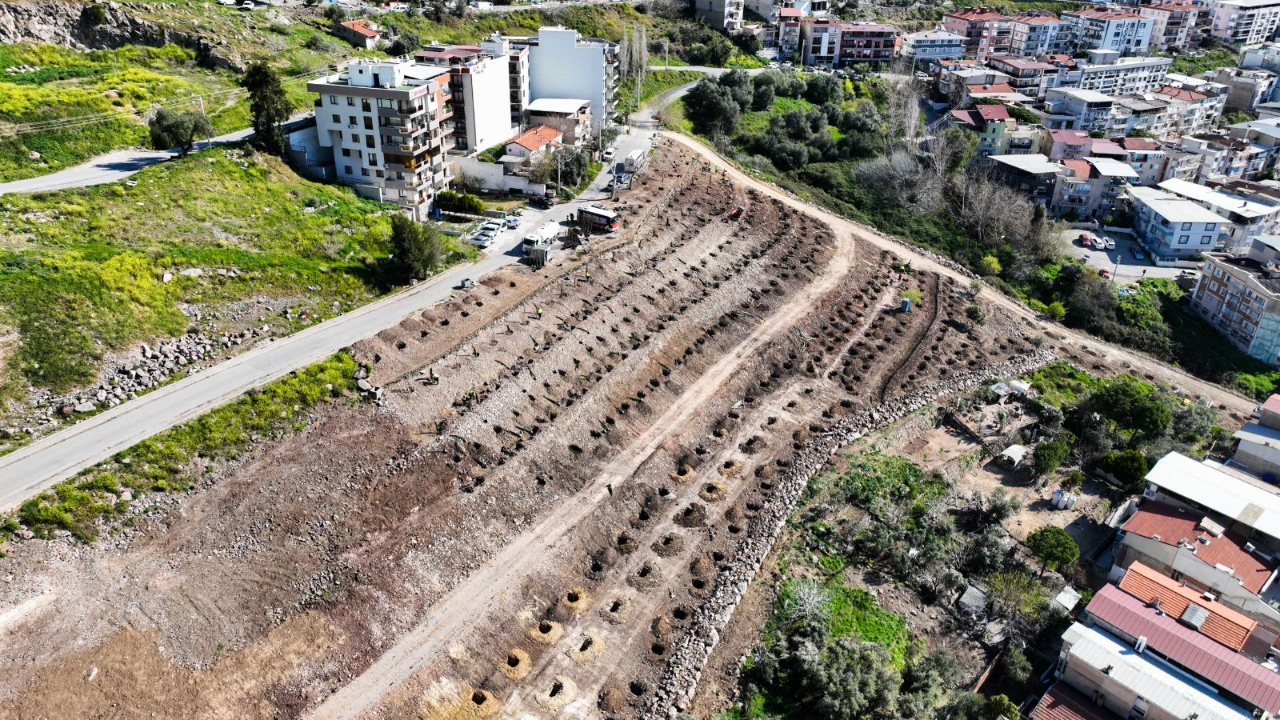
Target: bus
{"type": "Point", "coordinates": [594, 217]}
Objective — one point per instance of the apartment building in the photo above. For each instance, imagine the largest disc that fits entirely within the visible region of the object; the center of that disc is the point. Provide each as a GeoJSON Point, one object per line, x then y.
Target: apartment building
{"type": "Point", "coordinates": [1108, 72]}
{"type": "Point", "coordinates": [1032, 174]}
{"type": "Point", "coordinates": [1264, 57]}
{"type": "Point", "coordinates": [517, 73]}
{"type": "Point", "coordinates": [1244, 23]}
{"type": "Point", "coordinates": [563, 64]}
{"type": "Point", "coordinates": [1239, 295]}
{"type": "Point", "coordinates": [1145, 112]}
{"type": "Point", "coordinates": [570, 116]}
{"type": "Point", "coordinates": [1091, 188]}
{"type": "Point", "coordinates": [1263, 135]}
{"type": "Point", "coordinates": [723, 15]}
{"type": "Point", "coordinates": [1147, 158]}
{"type": "Point", "coordinates": [1076, 109]}
{"type": "Point", "coordinates": [1173, 24]}
{"type": "Point", "coordinates": [1027, 76]}
{"type": "Point", "coordinates": [389, 125]}
{"type": "Point", "coordinates": [1190, 111]}
{"type": "Point", "coordinates": [1036, 33]}
{"type": "Point", "coordinates": [1224, 158]}
{"type": "Point", "coordinates": [480, 87]}
{"type": "Point", "coordinates": [1107, 28]}
{"type": "Point", "coordinates": [985, 30]}
{"type": "Point", "coordinates": [867, 42]}
{"type": "Point", "coordinates": [930, 45]}
{"type": "Point", "coordinates": [790, 27]}
{"type": "Point", "coordinates": [1247, 88]}
{"type": "Point", "coordinates": [1172, 227]}
{"type": "Point", "coordinates": [998, 133]}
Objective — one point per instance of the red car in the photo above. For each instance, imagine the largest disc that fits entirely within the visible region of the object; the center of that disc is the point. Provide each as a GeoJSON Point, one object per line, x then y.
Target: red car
{"type": "Point", "coordinates": [1105, 273]}
{"type": "Point", "coordinates": [1085, 240]}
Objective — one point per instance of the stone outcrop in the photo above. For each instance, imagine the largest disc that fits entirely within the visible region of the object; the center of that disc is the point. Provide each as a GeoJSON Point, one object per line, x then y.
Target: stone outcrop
{"type": "Point", "coordinates": [684, 670]}
{"type": "Point", "coordinates": [98, 27]}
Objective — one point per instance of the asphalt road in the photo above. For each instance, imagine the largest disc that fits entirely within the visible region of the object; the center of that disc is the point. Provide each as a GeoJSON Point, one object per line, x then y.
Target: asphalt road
{"type": "Point", "coordinates": [116, 166]}
{"type": "Point", "coordinates": [27, 471]}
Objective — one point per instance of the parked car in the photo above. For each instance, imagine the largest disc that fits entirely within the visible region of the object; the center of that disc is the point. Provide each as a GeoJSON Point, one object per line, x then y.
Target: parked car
{"type": "Point", "coordinates": [512, 221]}
{"type": "Point", "coordinates": [1138, 254]}
{"type": "Point", "coordinates": [1106, 243]}
{"type": "Point", "coordinates": [1085, 239]}
{"type": "Point", "coordinates": [608, 154]}
{"type": "Point", "coordinates": [1105, 273]}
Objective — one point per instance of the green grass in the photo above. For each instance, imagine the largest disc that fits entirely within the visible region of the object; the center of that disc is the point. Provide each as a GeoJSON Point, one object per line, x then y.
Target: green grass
{"type": "Point", "coordinates": [855, 613]}
{"type": "Point", "coordinates": [873, 475]}
{"type": "Point", "coordinates": [745, 62]}
{"type": "Point", "coordinates": [115, 87]}
{"type": "Point", "coordinates": [165, 463]}
{"type": "Point", "coordinates": [757, 121]}
{"type": "Point", "coordinates": [656, 82]}
{"type": "Point", "coordinates": [1062, 384]}
{"type": "Point", "coordinates": [81, 269]}
{"type": "Point", "coordinates": [1211, 60]}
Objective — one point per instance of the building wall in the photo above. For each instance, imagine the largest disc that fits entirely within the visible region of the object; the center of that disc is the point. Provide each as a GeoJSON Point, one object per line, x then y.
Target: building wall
{"type": "Point", "coordinates": [493, 176]}
{"type": "Point", "coordinates": [560, 67]}
{"type": "Point", "coordinates": [487, 98]}
{"type": "Point", "coordinates": [1242, 27]}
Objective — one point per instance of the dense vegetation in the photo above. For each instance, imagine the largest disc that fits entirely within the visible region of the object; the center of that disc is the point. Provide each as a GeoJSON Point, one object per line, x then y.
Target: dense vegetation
{"type": "Point", "coordinates": [1194, 64]}
{"type": "Point", "coordinates": [848, 146]}
{"type": "Point", "coordinates": [656, 82]}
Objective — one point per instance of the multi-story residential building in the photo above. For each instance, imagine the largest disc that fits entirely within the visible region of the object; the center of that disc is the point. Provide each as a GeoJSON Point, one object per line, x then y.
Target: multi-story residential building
{"type": "Point", "coordinates": [1146, 157]}
{"type": "Point", "coordinates": [1173, 24]}
{"type": "Point", "coordinates": [820, 41]}
{"type": "Point", "coordinates": [923, 47]}
{"type": "Point", "coordinates": [1225, 158]}
{"type": "Point", "coordinates": [789, 24]}
{"type": "Point", "coordinates": [867, 42]}
{"type": "Point", "coordinates": [1074, 109]}
{"type": "Point", "coordinates": [1262, 134]}
{"type": "Point", "coordinates": [480, 87]}
{"type": "Point", "coordinates": [1190, 111]}
{"type": "Point", "coordinates": [389, 125]}
{"type": "Point", "coordinates": [997, 132]}
{"type": "Point", "coordinates": [723, 15]}
{"type": "Point", "coordinates": [1171, 227]}
{"type": "Point", "coordinates": [1091, 188]}
{"type": "Point", "coordinates": [1133, 684]}
{"type": "Point", "coordinates": [563, 64]}
{"type": "Point", "coordinates": [571, 116]}
{"type": "Point", "coordinates": [1035, 33]}
{"type": "Point", "coordinates": [1244, 23]}
{"type": "Point", "coordinates": [986, 31]}
{"type": "Point", "coordinates": [1246, 88]}
{"type": "Point", "coordinates": [954, 81]}
{"type": "Point", "coordinates": [1239, 295]}
{"type": "Point", "coordinates": [517, 73]}
{"type": "Point", "coordinates": [1264, 57]}
{"type": "Point", "coordinates": [1107, 28]}
{"type": "Point", "coordinates": [1066, 144]}
{"type": "Point", "coordinates": [1107, 72]}
{"type": "Point", "coordinates": [1033, 174]}
{"type": "Point", "coordinates": [1180, 164]}
{"type": "Point", "coordinates": [1246, 217]}
{"type": "Point", "coordinates": [1145, 112]}
{"type": "Point", "coordinates": [1027, 76]}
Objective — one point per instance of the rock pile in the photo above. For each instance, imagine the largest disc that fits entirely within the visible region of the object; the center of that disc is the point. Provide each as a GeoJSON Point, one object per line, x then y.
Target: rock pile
{"type": "Point", "coordinates": [684, 670]}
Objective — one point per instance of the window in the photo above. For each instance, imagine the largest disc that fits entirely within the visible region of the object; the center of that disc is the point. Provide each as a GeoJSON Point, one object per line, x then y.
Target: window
{"type": "Point", "coordinates": [368, 123]}
{"type": "Point", "coordinates": [1184, 239]}
{"type": "Point", "coordinates": [378, 173]}
{"type": "Point", "coordinates": [346, 152]}
{"type": "Point", "coordinates": [1205, 240]}
{"type": "Point", "coordinates": [352, 119]}
{"type": "Point", "coordinates": [373, 159]}
{"type": "Point", "coordinates": [364, 172]}
{"type": "Point", "coordinates": [385, 103]}
{"type": "Point", "coordinates": [1213, 287]}
{"type": "Point", "coordinates": [1217, 272]}
{"type": "Point", "coordinates": [1186, 226]}
{"type": "Point", "coordinates": [337, 119]}
{"type": "Point", "coordinates": [368, 141]}
{"type": "Point", "coordinates": [346, 169]}
{"type": "Point", "coordinates": [1210, 227]}
{"type": "Point", "coordinates": [355, 138]}
{"type": "Point", "coordinates": [333, 99]}
{"type": "Point", "coordinates": [351, 101]}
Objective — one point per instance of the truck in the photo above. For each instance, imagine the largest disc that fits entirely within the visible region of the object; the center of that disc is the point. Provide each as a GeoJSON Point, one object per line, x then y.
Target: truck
{"type": "Point", "coordinates": [635, 160]}
{"type": "Point", "coordinates": [539, 238]}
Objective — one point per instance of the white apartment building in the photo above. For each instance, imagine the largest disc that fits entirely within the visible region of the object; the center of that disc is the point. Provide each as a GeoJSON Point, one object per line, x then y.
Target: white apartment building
{"type": "Point", "coordinates": [933, 45]}
{"type": "Point", "coordinates": [1246, 218]}
{"type": "Point", "coordinates": [563, 64]}
{"type": "Point", "coordinates": [723, 15]}
{"type": "Point", "coordinates": [1109, 73]}
{"type": "Point", "coordinates": [480, 88]}
{"type": "Point", "coordinates": [1244, 23]}
{"type": "Point", "coordinates": [389, 125]}
{"type": "Point", "coordinates": [1239, 295]}
{"type": "Point", "coordinates": [517, 73]}
{"type": "Point", "coordinates": [1172, 227]}
{"type": "Point", "coordinates": [1108, 28]}
{"type": "Point", "coordinates": [1173, 24]}
{"type": "Point", "coordinates": [1076, 109]}
{"type": "Point", "coordinates": [1191, 112]}
{"type": "Point", "coordinates": [1036, 35]}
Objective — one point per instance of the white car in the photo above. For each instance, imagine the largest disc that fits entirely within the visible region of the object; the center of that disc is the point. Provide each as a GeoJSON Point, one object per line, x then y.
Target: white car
{"type": "Point", "coordinates": [1111, 244]}
{"type": "Point", "coordinates": [608, 154]}
{"type": "Point", "coordinates": [513, 221]}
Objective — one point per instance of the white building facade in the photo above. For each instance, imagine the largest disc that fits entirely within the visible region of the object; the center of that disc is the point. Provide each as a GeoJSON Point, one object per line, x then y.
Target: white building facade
{"type": "Point", "coordinates": [563, 64]}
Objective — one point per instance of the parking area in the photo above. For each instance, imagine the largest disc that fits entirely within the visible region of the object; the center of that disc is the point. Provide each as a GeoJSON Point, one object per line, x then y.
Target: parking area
{"type": "Point", "coordinates": [1120, 263]}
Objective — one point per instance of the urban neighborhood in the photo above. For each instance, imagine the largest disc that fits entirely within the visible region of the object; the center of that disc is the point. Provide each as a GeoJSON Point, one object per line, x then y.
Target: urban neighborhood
{"type": "Point", "coordinates": [719, 359]}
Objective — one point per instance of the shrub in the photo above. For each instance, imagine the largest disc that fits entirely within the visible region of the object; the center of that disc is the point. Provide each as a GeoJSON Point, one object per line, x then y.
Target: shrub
{"type": "Point", "coordinates": [453, 201]}
{"type": "Point", "coordinates": [1128, 467]}
{"type": "Point", "coordinates": [976, 314]}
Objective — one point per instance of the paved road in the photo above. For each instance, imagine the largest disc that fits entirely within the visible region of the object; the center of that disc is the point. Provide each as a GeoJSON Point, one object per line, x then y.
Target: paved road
{"type": "Point", "coordinates": [27, 471]}
{"type": "Point", "coordinates": [117, 165]}
{"type": "Point", "coordinates": [1120, 263]}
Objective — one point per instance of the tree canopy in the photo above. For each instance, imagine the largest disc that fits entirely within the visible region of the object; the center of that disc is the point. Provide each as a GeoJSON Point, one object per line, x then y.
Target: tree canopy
{"type": "Point", "coordinates": [170, 128]}
{"type": "Point", "coordinates": [1053, 547]}
{"type": "Point", "coordinates": [268, 105]}
{"type": "Point", "coordinates": [416, 249]}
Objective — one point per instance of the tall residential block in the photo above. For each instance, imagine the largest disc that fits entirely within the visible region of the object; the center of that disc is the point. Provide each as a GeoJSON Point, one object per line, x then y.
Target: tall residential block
{"type": "Point", "coordinates": [481, 94]}
{"type": "Point", "coordinates": [986, 31]}
{"type": "Point", "coordinates": [563, 64]}
{"type": "Point", "coordinates": [517, 73]}
{"type": "Point", "coordinates": [389, 125]}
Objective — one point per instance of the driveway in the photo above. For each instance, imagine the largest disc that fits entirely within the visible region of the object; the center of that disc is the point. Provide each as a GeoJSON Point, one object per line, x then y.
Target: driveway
{"type": "Point", "coordinates": [1121, 263]}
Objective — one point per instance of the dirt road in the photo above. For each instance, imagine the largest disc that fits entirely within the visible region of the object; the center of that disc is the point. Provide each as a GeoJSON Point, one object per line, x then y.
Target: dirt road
{"type": "Point", "coordinates": [507, 571]}
{"type": "Point", "coordinates": [1071, 341]}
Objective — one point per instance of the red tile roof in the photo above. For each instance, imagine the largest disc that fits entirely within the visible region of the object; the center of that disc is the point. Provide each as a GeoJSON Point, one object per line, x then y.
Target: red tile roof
{"type": "Point", "coordinates": [1063, 702]}
{"type": "Point", "coordinates": [1165, 523]}
{"type": "Point", "coordinates": [1272, 404]}
{"type": "Point", "coordinates": [1060, 59]}
{"type": "Point", "coordinates": [789, 12]}
{"type": "Point", "coordinates": [1069, 137]}
{"type": "Point", "coordinates": [1223, 624]}
{"type": "Point", "coordinates": [453, 52]}
{"type": "Point", "coordinates": [1105, 148]}
{"type": "Point", "coordinates": [1137, 143]}
{"type": "Point", "coordinates": [361, 27]}
{"type": "Point", "coordinates": [1036, 19]}
{"type": "Point", "coordinates": [1173, 6]}
{"type": "Point", "coordinates": [536, 137]}
{"type": "Point", "coordinates": [977, 14]}
{"type": "Point", "coordinates": [993, 112]}
{"type": "Point", "coordinates": [991, 89]}
{"type": "Point", "coordinates": [1078, 168]}
{"type": "Point", "coordinates": [1229, 670]}
{"type": "Point", "coordinates": [1180, 94]}
{"type": "Point", "coordinates": [1108, 14]}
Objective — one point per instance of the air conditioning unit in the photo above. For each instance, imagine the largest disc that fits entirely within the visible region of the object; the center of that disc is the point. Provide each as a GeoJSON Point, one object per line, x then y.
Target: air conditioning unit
{"type": "Point", "coordinates": [1141, 644]}
{"type": "Point", "coordinates": [1210, 597]}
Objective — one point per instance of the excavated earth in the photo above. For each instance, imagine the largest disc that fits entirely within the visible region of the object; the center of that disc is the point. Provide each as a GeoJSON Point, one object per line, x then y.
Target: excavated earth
{"type": "Point", "coordinates": [570, 478]}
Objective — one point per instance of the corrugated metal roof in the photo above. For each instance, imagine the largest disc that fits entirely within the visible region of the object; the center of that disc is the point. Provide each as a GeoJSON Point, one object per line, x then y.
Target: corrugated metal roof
{"type": "Point", "coordinates": [1216, 664]}
{"type": "Point", "coordinates": [1223, 624]}
{"type": "Point", "coordinates": [1146, 676]}
{"type": "Point", "coordinates": [1219, 491]}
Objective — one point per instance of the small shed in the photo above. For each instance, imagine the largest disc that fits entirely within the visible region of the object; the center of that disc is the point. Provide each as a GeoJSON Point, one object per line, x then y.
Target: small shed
{"type": "Point", "coordinates": [1068, 598]}
{"type": "Point", "coordinates": [1013, 456]}
{"type": "Point", "coordinates": [973, 602]}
